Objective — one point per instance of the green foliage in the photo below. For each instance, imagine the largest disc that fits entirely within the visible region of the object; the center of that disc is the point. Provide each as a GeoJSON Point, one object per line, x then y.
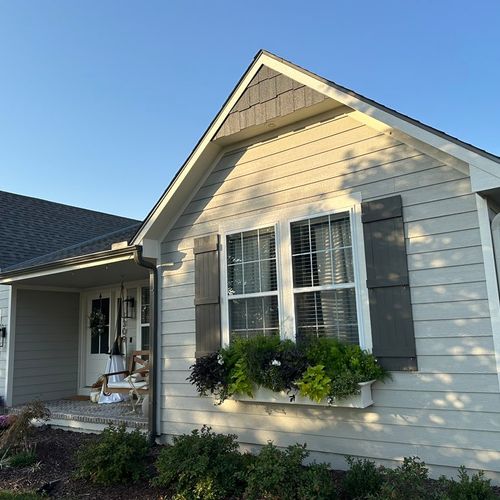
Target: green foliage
{"type": "Point", "coordinates": [362, 479]}
{"type": "Point", "coordinates": [117, 456]}
{"type": "Point", "coordinates": [278, 474]}
{"type": "Point", "coordinates": [239, 379]}
{"type": "Point", "coordinates": [22, 459]}
{"type": "Point", "coordinates": [315, 384]}
{"type": "Point", "coordinates": [17, 495]}
{"type": "Point", "coordinates": [476, 487]}
{"type": "Point", "coordinates": [406, 482]}
{"type": "Point", "coordinates": [18, 435]}
{"type": "Point", "coordinates": [316, 483]}
{"type": "Point", "coordinates": [202, 465]}
{"type": "Point", "coordinates": [281, 365]}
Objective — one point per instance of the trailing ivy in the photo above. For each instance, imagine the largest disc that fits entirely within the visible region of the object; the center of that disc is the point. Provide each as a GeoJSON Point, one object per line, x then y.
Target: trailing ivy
{"type": "Point", "coordinates": [321, 369]}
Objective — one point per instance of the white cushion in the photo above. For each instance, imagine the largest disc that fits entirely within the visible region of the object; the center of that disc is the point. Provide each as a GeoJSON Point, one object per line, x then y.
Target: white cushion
{"type": "Point", "coordinates": [127, 385]}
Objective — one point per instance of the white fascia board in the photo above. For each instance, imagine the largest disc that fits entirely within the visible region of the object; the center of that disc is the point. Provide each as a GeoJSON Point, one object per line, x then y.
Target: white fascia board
{"type": "Point", "coordinates": [482, 180]}
{"type": "Point", "coordinates": [64, 269]}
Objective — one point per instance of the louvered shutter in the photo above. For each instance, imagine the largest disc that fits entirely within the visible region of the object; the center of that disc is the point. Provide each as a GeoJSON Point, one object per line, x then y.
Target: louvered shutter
{"type": "Point", "coordinates": [388, 285]}
{"type": "Point", "coordinates": [207, 294]}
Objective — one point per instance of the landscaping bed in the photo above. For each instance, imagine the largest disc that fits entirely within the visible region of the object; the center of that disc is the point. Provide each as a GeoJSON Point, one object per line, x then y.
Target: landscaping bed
{"type": "Point", "coordinates": [53, 472]}
{"type": "Point", "coordinates": [55, 450]}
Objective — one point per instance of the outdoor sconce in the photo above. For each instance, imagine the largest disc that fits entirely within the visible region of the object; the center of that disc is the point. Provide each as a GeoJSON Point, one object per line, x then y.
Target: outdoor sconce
{"type": "Point", "coordinates": [129, 308]}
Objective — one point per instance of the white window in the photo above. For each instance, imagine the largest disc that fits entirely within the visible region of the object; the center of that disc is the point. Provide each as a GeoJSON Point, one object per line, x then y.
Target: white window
{"type": "Point", "coordinates": [252, 288]}
{"type": "Point", "coordinates": [323, 278]}
{"type": "Point", "coordinates": [300, 274]}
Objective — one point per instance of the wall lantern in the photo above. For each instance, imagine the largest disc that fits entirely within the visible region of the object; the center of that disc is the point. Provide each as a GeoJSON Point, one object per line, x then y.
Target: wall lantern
{"type": "Point", "coordinates": [129, 308]}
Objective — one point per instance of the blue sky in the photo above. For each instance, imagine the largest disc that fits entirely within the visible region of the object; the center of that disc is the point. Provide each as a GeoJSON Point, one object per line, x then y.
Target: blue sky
{"type": "Point", "coordinates": [101, 101]}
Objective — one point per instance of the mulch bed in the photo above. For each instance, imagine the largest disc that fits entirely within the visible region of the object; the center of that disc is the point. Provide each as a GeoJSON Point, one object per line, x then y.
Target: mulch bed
{"type": "Point", "coordinates": [55, 450]}
{"type": "Point", "coordinates": [53, 473]}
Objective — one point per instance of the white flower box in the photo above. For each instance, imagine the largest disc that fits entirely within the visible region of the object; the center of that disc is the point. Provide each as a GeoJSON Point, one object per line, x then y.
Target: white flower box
{"type": "Point", "coordinates": [261, 395]}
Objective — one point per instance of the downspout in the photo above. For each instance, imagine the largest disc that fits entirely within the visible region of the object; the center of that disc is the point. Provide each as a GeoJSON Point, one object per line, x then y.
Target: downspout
{"type": "Point", "coordinates": [153, 286]}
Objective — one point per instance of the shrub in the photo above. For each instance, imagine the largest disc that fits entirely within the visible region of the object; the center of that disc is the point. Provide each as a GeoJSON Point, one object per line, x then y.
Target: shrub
{"type": "Point", "coordinates": [476, 487]}
{"type": "Point", "coordinates": [201, 465]}
{"type": "Point", "coordinates": [408, 481]}
{"type": "Point", "coordinates": [277, 474]}
{"type": "Point", "coordinates": [22, 459]}
{"type": "Point", "coordinates": [117, 456]}
{"type": "Point", "coordinates": [362, 479]}
{"type": "Point", "coordinates": [19, 432]}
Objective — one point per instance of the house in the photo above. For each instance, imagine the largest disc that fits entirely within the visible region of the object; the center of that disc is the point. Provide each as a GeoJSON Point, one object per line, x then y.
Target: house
{"type": "Point", "coordinates": [35, 232]}
{"type": "Point", "coordinates": [405, 219]}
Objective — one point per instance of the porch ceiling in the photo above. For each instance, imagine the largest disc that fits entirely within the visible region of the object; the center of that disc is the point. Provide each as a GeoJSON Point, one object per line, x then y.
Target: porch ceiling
{"type": "Point", "coordinates": [87, 277]}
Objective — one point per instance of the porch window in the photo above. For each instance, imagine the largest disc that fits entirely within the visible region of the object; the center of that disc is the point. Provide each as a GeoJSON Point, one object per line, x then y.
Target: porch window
{"type": "Point", "coordinates": [252, 285]}
{"type": "Point", "coordinates": [145, 317]}
{"type": "Point", "coordinates": [99, 342]}
{"type": "Point", "coordinates": [323, 278]}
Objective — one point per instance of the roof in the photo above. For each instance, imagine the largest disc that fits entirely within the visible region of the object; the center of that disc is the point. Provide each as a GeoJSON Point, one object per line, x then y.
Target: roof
{"type": "Point", "coordinates": [374, 113]}
{"type": "Point", "coordinates": [31, 228]}
{"type": "Point", "coordinates": [88, 247]}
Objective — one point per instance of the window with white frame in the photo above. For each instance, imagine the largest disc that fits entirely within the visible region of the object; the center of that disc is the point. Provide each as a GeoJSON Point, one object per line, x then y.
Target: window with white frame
{"type": "Point", "coordinates": [298, 275]}
{"type": "Point", "coordinates": [252, 285]}
{"type": "Point", "coordinates": [323, 278]}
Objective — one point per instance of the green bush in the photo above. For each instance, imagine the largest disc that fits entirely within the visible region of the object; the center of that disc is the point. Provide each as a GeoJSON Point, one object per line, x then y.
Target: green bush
{"type": "Point", "coordinates": [202, 465]}
{"type": "Point", "coordinates": [117, 456]}
{"type": "Point", "coordinates": [476, 487]}
{"type": "Point", "coordinates": [280, 474]}
{"type": "Point", "coordinates": [22, 459]}
{"type": "Point", "coordinates": [406, 482]}
{"type": "Point", "coordinates": [362, 479]}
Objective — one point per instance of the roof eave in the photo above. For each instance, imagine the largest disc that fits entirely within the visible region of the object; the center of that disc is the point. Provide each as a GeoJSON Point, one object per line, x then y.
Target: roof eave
{"type": "Point", "coordinates": [64, 264]}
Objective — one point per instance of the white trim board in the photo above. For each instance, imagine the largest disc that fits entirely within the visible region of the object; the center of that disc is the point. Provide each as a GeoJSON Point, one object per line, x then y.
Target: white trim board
{"type": "Point", "coordinates": [491, 275]}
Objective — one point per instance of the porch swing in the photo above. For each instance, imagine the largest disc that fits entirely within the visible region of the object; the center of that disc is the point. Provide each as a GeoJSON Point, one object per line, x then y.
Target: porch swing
{"type": "Point", "coordinates": [118, 381]}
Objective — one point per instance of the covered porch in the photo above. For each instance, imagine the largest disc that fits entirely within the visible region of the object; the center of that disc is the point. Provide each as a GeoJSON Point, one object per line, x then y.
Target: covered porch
{"type": "Point", "coordinates": [54, 355]}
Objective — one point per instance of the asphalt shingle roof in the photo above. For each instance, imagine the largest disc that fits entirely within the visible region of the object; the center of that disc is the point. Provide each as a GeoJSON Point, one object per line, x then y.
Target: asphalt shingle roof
{"type": "Point", "coordinates": [99, 244]}
{"type": "Point", "coordinates": [31, 228]}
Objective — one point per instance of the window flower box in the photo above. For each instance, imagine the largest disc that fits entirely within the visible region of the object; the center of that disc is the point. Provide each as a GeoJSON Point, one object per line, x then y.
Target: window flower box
{"type": "Point", "coordinates": [263, 395]}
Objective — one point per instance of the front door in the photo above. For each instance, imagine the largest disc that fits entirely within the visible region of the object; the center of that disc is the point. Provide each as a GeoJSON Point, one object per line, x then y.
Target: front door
{"type": "Point", "coordinates": [98, 343]}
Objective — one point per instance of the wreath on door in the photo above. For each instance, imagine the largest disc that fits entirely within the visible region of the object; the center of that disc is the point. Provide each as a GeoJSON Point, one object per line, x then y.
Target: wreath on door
{"type": "Point", "coordinates": [97, 322]}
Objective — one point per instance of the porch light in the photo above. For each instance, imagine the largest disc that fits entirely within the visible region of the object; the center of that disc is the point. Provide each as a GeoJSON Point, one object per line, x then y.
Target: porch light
{"type": "Point", "coordinates": [129, 308]}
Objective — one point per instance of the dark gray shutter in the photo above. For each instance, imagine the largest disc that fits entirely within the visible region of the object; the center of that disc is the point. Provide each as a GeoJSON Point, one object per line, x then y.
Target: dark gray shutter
{"type": "Point", "coordinates": [388, 286]}
{"type": "Point", "coordinates": [207, 294]}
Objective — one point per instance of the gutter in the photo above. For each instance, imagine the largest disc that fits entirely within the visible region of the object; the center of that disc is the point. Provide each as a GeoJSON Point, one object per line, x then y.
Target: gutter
{"type": "Point", "coordinates": [153, 286]}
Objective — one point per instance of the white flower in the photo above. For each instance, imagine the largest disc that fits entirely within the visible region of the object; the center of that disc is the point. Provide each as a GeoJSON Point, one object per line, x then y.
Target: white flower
{"type": "Point", "coordinates": [220, 359]}
{"type": "Point", "coordinates": [276, 362]}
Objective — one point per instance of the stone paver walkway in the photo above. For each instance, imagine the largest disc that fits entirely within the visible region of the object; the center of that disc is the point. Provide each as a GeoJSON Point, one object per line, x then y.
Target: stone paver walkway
{"type": "Point", "coordinates": [85, 411]}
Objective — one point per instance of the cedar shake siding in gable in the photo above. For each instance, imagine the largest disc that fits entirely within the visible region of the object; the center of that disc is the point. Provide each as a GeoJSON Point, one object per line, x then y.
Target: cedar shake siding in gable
{"type": "Point", "coordinates": [448, 412]}
{"type": "Point", "coordinates": [269, 95]}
